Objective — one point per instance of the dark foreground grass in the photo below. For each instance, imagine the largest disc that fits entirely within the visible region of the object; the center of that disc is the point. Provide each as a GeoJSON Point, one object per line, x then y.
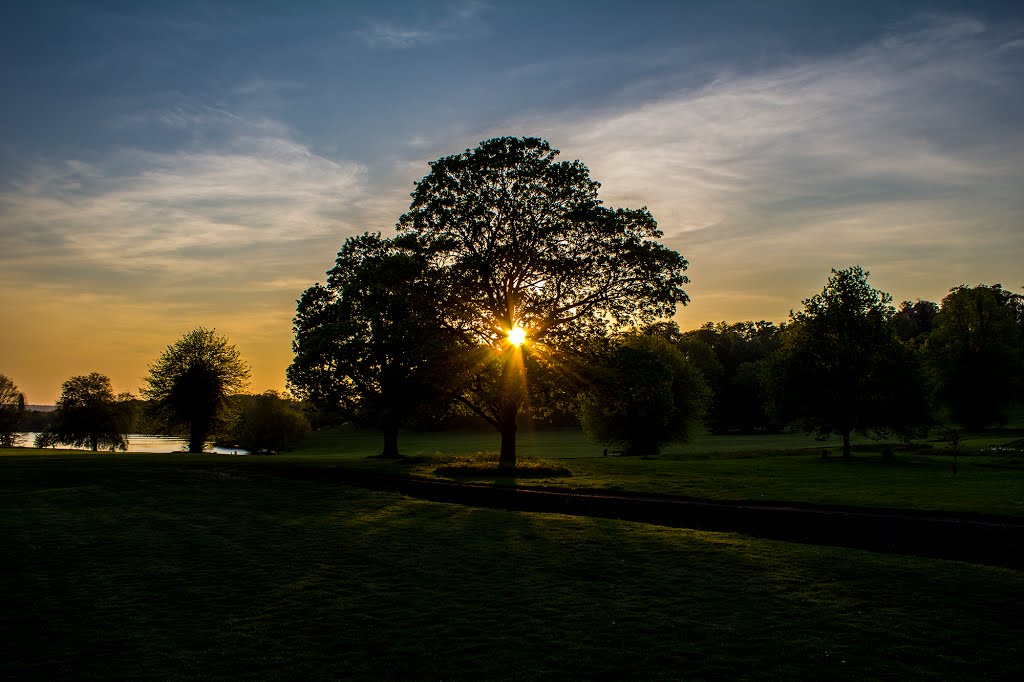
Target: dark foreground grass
{"type": "Point", "coordinates": [174, 568]}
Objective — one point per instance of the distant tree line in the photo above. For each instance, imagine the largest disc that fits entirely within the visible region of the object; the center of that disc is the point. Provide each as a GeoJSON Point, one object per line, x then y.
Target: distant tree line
{"type": "Point", "coordinates": [194, 390]}
{"type": "Point", "coordinates": [850, 361]}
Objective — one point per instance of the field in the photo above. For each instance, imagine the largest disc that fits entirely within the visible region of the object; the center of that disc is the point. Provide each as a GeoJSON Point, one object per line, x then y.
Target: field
{"type": "Point", "coordinates": [777, 468]}
{"type": "Point", "coordinates": [181, 566]}
{"type": "Point", "coordinates": [177, 567]}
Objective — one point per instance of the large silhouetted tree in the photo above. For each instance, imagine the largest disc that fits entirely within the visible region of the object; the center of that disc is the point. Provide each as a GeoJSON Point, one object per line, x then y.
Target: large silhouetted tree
{"type": "Point", "coordinates": [974, 352]}
{"type": "Point", "coordinates": [523, 241]}
{"type": "Point", "coordinates": [841, 367]}
{"type": "Point", "coordinates": [371, 344]}
{"type": "Point", "coordinates": [190, 385]}
{"type": "Point", "coordinates": [12, 407]}
{"type": "Point", "coordinates": [90, 415]}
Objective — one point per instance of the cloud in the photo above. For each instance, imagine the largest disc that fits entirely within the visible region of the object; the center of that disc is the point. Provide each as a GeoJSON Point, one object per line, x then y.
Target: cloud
{"type": "Point", "coordinates": [849, 131]}
{"type": "Point", "coordinates": [134, 247]}
{"type": "Point", "coordinates": [462, 22]}
{"type": "Point", "coordinates": [904, 146]}
{"type": "Point", "coordinates": [180, 211]}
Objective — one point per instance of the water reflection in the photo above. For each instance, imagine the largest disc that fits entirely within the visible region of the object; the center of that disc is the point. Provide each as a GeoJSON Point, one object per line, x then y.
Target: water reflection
{"type": "Point", "coordinates": [142, 443]}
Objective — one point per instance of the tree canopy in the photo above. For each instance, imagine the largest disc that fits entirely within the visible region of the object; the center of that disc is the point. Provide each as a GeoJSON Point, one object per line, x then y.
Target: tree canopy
{"type": "Point", "coordinates": [12, 406]}
{"type": "Point", "coordinates": [914, 320]}
{"type": "Point", "coordinates": [644, 394]}
{"type": "Point", "coordinates": [841, 367]}
{"type": "Point", "coordinates": [974, 351]}
{"type": "Point", "coordinates": [190, 385]}
{"type": "Point", "coordinates": [90, 415]}
{"type": "Point", "coordinates": [371, 344]}
{"type": "Point", "coordinates": [740, 380]}
{"type": "Point", "coordinates": [522, 241]}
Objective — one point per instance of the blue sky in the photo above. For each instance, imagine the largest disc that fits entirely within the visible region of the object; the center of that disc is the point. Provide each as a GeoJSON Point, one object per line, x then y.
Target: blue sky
{"type": "Point", "coordinates": [169, 165]}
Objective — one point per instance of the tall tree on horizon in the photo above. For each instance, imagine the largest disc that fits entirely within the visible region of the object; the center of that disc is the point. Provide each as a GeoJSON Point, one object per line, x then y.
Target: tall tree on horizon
{"type": "Point", "coordinates": [841, 367]}
{"type": "Point", "coordinates": [191, 384]}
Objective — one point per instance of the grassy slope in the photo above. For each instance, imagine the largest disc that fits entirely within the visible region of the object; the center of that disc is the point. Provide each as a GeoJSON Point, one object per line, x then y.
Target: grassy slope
{"type": "Point", "coordinates": [180, 566]}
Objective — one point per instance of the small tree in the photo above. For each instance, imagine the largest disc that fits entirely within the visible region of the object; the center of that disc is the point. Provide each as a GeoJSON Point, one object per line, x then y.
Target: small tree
{"type": "Point", "coordinates": [12, 407]}
{"type": "Point", "coordinates": [645, 394]}
{"type": "Point", "coordinates": [841, 368]}
{"type": "Point", "coordinates": [190, 385]}
{"type": "Point", "coordinates": [269, 423]}
{"type": "Point", "coordinates": [90, 415]}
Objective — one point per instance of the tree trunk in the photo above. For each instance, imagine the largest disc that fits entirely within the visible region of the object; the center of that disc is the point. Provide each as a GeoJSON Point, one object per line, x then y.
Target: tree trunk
{"type": "Point", "coordinates": [390, 443]}
{"type": "Point", "coordinates": [507, 426]}
{"type": "Point", "coordinates": [196, 438]}
{"type": "Point", "coordinates": [846, 444]}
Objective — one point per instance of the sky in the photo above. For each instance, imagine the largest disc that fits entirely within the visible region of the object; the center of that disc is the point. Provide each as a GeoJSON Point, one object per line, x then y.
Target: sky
{"type": "Point", "coordinates": [165, 166]}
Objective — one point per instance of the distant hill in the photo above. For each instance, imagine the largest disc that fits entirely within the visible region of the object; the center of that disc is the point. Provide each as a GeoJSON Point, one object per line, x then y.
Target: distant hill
{"type": "Point", "coordinates": [41, 408]}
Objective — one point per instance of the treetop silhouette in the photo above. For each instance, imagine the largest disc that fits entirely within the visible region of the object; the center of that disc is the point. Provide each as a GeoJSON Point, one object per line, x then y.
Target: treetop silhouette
{"type": "Point", "coordinates": [522, 240]}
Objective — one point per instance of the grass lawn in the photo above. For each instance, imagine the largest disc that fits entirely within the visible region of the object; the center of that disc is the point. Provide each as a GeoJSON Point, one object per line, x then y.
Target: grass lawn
{"type": "Point", "coordinates": [178, 567]}
{"type": "Point", "coordinates": [778, 468]}
{"type": "Point", "coordinates": [985, 485]}
{"type": "Point", "coordinates": [550, 443]}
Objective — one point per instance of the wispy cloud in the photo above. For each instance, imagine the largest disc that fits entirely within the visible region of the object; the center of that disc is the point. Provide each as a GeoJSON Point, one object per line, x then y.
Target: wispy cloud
{"type": "Point", "coordinates": [182, 210]}
{"type": "Point", "coordinates": [461, 22]}
{"type": "Point", "coordinates": [143, 245]}
{"type": "Point", "coordinates": [906, 144]}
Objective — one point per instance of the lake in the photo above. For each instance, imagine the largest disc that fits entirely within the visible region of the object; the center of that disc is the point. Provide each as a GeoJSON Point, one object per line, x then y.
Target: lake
{"type": "Point", "coordinates": [141, 443]}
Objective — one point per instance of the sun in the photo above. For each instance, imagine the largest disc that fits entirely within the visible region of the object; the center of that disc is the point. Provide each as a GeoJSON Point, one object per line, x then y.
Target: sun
{"type": "Point", "coordinates": [517, 335]}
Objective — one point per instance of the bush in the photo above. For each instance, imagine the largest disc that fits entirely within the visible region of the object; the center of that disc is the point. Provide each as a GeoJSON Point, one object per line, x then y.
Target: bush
{"type": "Point", "coordinates": [269, 423]}
{"type": "Point", "coordinates": [645, 394]}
